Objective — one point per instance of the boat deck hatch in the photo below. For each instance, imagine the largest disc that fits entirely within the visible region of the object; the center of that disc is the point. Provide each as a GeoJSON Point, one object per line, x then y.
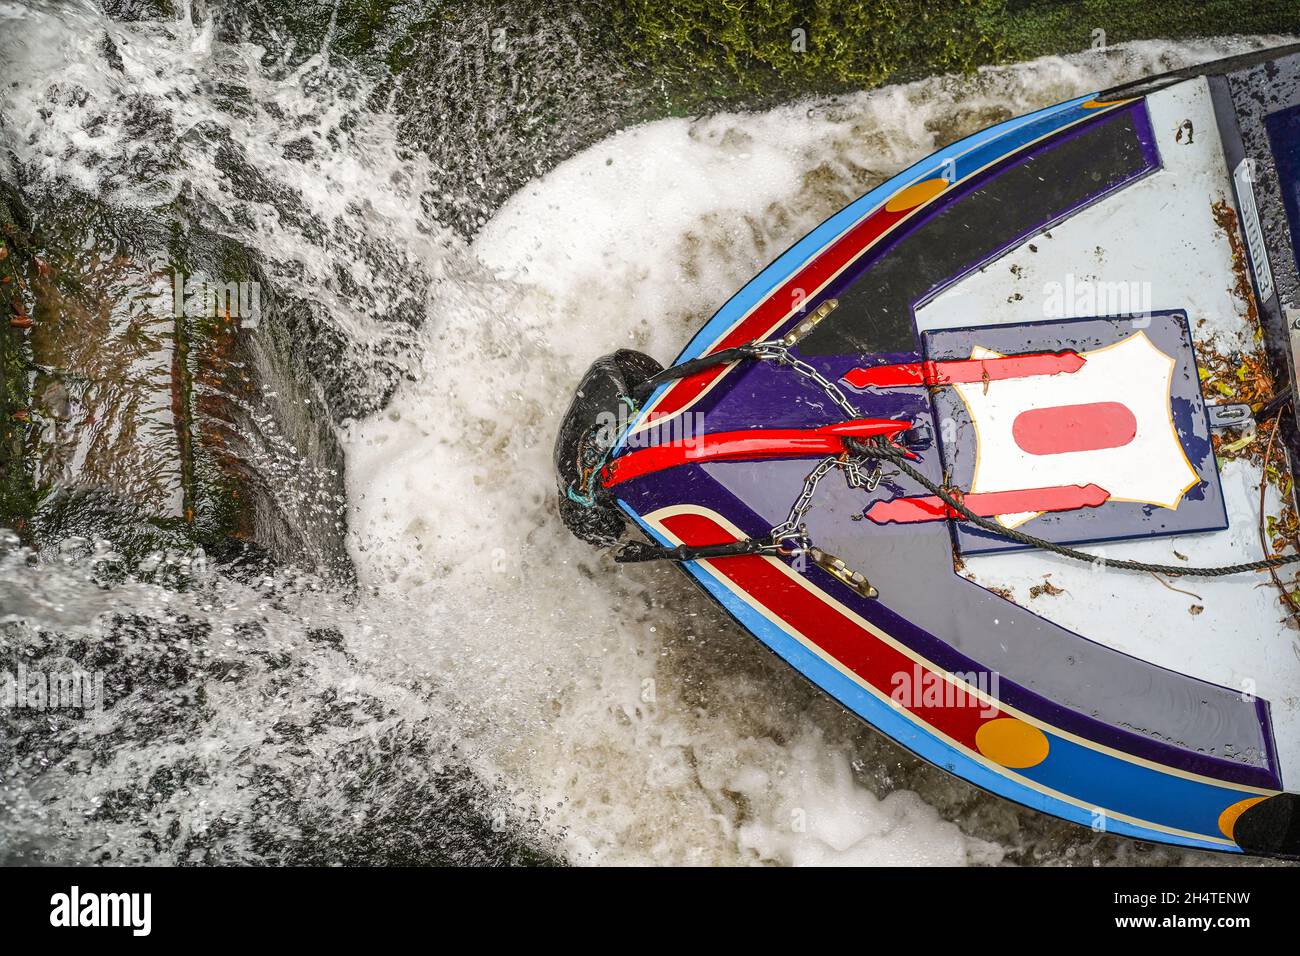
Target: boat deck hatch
{"type": "Point", "coordinates": [1129, 419]}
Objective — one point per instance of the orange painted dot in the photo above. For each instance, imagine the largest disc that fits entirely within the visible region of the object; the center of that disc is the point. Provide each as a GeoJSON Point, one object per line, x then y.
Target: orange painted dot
{"type": "Point", "coordinates": [916, 194]}
{"type": "Point", "coordinates": [1012, 743]}
{"type": "Point", "coordinates": [1101, 104]}
{"type": "Point", "coordinates": [1228, 818]}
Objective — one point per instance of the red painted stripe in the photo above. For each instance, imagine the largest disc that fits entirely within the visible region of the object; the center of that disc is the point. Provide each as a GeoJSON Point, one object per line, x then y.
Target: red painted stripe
{"type": "Point", "coordinates": [826, 626]}
{"type": "Point", "coordinates": [989, 504]}
{"type": "Point", "coordinates": [1066, 428]}
{"type": "Point", "coordinates": [904, 375]}
{"type": "Point", "coordinates": [963, 371]}
{"type": "Point", "coordinates": [746, 446]}
{"type": "Point", "coordinates": [778, 305]}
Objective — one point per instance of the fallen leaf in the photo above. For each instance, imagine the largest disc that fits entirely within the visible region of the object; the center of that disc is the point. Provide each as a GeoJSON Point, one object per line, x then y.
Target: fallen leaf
{"type": "Point", "coordinates": [1240, 443]}
{"type": "Point", "coordinates": [1047, 587]}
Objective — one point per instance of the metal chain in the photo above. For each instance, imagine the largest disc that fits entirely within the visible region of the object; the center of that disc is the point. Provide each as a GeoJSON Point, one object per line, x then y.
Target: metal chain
{"type": "Point", "coordinates": [793, 526]}
{"type": "Point", "coordinates": [853, 474]}
{"type": "Point", "coordinates": [792, 529]}
{"type": "Point", "coordinates": [779, 353]}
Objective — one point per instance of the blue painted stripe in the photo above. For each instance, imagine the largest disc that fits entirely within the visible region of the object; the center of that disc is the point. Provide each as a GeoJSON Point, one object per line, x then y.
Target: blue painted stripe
{"type": "Point", "coordinates": [1133, 789]}
{"type": "Point", "coordinates": [1109, 782]}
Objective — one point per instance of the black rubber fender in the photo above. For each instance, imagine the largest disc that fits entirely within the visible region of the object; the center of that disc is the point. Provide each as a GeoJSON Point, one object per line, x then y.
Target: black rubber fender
{"type": "Point", "coordinates": [1271, 827]}
{"type": "Point", "coordinates": [593, 421]}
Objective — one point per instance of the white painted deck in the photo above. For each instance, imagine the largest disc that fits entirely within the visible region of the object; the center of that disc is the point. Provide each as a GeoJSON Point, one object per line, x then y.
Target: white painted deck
{"type": "Point", "coordinates": [1159, 231]}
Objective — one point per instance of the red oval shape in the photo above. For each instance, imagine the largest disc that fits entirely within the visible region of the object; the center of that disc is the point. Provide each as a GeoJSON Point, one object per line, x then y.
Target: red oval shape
{"type": "Point", "coordinates": [1065, 428]}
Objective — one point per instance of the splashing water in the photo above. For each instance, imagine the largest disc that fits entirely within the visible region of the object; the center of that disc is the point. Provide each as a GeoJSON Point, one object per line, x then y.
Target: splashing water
{"type": "Point", "coordinates": [491, 688]}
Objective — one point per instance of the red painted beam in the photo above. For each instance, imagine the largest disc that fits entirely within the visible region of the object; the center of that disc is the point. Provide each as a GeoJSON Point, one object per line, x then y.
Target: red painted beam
{"type": "Point", "coordinates": [747, 446]}
{"type": "Point", "coordinates": [963, 371]}
{"type": "Point", "coordinates": [989, 504]}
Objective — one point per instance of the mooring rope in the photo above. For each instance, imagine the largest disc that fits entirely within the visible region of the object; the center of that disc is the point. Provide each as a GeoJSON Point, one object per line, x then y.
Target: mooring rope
{"type": "Point", "coordinates": [874, 448]}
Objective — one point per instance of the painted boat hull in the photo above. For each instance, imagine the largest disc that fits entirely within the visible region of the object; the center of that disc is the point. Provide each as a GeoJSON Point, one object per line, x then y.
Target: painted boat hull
{"type": "Point", "coordinates": [1057, 706]}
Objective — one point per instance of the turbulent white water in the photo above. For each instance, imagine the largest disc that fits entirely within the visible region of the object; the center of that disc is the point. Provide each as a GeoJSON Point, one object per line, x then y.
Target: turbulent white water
{"type": "Point", "coordinates": [616, 707]}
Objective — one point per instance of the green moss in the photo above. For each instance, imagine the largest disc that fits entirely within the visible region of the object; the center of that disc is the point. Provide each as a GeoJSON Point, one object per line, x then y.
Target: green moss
{"type": "Point", "coordinates": [1033, 28]}
{"type": "Point", "coordinates": [689, 54]}
{"type": "Point", "coordinates": [701, 51]}
{"type": "Point", "coordinates": [703, 54]}
{"type": "Point", "coordinates": [364, 25]}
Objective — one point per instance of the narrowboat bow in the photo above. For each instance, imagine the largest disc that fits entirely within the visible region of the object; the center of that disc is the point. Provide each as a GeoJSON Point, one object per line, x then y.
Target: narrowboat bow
{"type": "Point", "coordinates": [981, 457]}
